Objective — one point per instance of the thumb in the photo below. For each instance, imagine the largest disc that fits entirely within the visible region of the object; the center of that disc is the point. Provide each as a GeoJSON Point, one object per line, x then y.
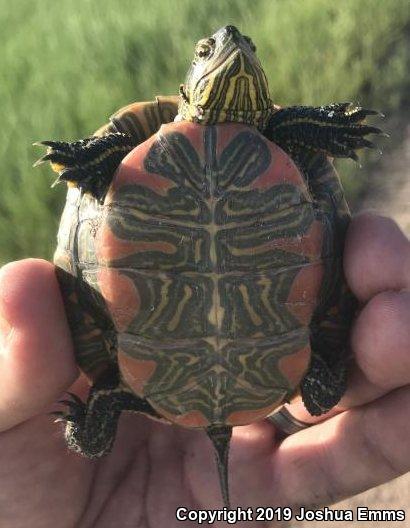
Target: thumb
{"type": "Point", "coordinates": [36, 352]}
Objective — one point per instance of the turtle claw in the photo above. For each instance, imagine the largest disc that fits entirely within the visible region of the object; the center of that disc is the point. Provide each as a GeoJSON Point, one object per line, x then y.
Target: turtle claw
{"type": "Point", "coordinates": [60, 145]}
{"type": "Point", "coordinates": [75, 411]}
{"type": "Point", "coordinates": [367, 111]}
{"type": "Point", "coordinates": [47, 143]}
{"type": "Point", "coordinates": [75, 403]}
{"type": "Point", "coordinates": [62, 154]}
{"type": "Point", "coordinates": [68, 403]}
{"type": "Point", "coordinates": [75, 398]}
{"type": "Point", "coordinates": [366, 129]}
{"type": "Point", "coordinates": [89, 163]}
{"type": "Point", "coordinates": [61, 417]}
{"type": "Point", "coordinates": [44, 159]}
{"type": "Point", "coordinates": [68, 175]}
{"type": "Point", "coordinates": [56, 182]}
{"type": "Point", "coordinates": [358, 113]}
{"type": "Point", "coordinates": [368, 144]}
{"type": "Point", "coordinates": [337, 130]}
{"type": "Point", "coordinates": [39, 162]}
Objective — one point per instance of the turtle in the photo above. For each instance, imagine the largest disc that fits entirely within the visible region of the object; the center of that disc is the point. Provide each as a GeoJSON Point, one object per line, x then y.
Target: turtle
{"type": "Point", "coordinates": [200, 254]}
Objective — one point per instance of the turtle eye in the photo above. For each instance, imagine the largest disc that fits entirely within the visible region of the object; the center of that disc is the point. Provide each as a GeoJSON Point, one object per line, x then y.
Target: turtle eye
{"type": "Point", "coordinates": [251, 44]}
{"type": "Point", "coordinates": [204, 48]}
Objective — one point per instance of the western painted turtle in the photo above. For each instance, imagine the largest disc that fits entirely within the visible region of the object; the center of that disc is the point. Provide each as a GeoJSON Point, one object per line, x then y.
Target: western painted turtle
{"type": "Point", "coordinates": [199, 254]}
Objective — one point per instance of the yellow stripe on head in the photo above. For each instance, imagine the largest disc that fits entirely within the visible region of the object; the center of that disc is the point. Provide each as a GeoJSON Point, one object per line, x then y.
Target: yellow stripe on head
{"type": "Point", "coordinates": [226, 82]}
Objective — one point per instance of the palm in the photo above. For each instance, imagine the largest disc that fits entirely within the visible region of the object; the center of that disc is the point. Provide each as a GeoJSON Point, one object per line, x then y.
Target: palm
{"type": "Point", "coordinates": [155, 468]}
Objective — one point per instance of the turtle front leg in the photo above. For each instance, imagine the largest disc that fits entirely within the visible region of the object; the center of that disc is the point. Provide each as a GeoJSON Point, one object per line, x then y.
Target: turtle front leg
{"type": "Point", "coordinates": [90, 163]}
{"type": "Point", "coordinates": [91, 427]}
{"type": "Point", "coordinates": [338, 130]}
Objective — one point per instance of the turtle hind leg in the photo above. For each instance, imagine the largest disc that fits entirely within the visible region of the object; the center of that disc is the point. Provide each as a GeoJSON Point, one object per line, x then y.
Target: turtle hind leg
{"type": "Point", "coordinates": [326, 379]}
{"type": "Point", "coordinates": [323, 385]}
{"type": "Point", "coordinates": [91, 427]}
{"type": "Point", "coordinates": [338, 130]}
{"type": "Point", "coordinates": [90, 163]}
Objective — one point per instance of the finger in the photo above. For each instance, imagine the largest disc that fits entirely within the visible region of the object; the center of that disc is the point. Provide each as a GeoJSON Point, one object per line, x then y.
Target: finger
{"type": "Point", "coordinates": [376, 257]}
{"type": "Point", "coordinates": [381, 343]}
{"type": "Point", "coordinates": [36, 356]}
{"type": "Point", "coordinates": [381, 340]}
{"type": "Point", "coordinates": [348, 454]}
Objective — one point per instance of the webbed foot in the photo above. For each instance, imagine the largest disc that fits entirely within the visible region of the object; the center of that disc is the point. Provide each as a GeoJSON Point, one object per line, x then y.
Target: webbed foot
{"type": "Point", "coordinates": [338, 129]}
{"type": "Point", "coordinates": [90, 428]}
{"type": "Point", "coordinates": [89, 163]}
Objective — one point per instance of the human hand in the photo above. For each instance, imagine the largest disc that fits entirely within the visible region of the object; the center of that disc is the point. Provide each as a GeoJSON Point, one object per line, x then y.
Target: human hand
{"type": "Point", "coordinates": [155, 468]}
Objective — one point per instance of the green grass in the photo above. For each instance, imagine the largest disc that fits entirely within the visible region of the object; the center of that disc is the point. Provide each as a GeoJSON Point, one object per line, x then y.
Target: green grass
{"type": "Point", "coordinates": [66, 66]}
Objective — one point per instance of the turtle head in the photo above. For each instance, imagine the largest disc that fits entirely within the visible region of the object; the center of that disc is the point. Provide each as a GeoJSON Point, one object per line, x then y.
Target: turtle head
{"type": "Point", "coordinates": [225, 82]}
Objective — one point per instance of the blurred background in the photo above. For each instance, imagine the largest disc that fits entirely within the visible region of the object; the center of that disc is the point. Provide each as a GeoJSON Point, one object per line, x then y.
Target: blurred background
{"type": "Point", "coordinates": [67, 66]}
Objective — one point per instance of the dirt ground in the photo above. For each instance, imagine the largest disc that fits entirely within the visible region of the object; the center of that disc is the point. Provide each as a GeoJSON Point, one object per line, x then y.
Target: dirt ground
{"type": "Point", "coordinates": [390, 196]}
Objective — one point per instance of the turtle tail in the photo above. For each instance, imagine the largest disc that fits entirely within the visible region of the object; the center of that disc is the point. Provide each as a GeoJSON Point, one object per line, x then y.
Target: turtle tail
{"type": "Point", "coordinates": [220, 437]}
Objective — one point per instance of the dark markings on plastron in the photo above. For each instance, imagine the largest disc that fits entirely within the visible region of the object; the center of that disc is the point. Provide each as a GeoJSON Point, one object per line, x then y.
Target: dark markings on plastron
{"type": "Point", "coordinates": [265, 297]}
{"type": "Point", "coordinates": [213, 290]}
{"type": "Point", "coordinates": [192, 376]}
